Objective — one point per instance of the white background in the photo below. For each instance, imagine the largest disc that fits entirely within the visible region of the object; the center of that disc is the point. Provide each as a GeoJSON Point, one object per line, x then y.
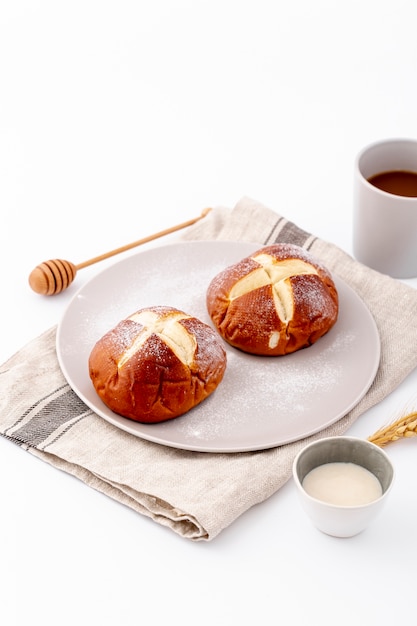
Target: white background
{"type": "Point", "coordinates": [119, 119]}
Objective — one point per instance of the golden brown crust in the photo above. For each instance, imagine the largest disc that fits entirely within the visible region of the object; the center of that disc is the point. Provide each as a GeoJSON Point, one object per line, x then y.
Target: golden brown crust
{"type": "Point", "coordinates": [275, 301]}
{"type": "Point", "coordinates": [157, 364]}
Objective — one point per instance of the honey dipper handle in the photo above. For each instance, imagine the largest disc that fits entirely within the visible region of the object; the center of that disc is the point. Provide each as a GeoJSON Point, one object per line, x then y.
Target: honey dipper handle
{"type": "Point", "coordinates": [139, 242]}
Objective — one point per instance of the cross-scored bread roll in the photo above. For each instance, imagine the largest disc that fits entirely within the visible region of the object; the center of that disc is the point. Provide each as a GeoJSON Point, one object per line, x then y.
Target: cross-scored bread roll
{"type": "Point", "coordinates": [157, 364]}
{"type": "Point", "coordinates": [273, 302]}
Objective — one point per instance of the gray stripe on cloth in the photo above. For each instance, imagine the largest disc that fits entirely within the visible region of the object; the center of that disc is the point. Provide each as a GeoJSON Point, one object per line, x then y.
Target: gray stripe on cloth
{"type": "Point", "coordinates": [46, 418]}
{"type": "Point", "coordinates": [276, 227]}
{"type": "Point", "coordinates": [285, 231]}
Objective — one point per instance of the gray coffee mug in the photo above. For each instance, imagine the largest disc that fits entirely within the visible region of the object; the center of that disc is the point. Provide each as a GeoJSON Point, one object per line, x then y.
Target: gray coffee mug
{"type": "Point", "coordinates": [385, 223]}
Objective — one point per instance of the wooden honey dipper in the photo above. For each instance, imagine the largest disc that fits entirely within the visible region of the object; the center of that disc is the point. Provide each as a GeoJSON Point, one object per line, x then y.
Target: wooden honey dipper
{"type": "Point", "coordinates": [51, 277]}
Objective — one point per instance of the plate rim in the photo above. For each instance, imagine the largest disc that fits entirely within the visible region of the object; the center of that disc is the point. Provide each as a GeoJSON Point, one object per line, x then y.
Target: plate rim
{"type": "Point", "coordinates": [131, 427]}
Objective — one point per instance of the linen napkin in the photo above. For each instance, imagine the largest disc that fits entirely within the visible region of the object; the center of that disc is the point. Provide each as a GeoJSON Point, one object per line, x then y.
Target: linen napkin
{"type": "Point", "coordinates": [196, 494]}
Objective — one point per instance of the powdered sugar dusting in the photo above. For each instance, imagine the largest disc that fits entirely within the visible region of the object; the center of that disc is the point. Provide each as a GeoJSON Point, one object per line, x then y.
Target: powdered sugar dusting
{"type": "Point", "coordinates": [284, 387]}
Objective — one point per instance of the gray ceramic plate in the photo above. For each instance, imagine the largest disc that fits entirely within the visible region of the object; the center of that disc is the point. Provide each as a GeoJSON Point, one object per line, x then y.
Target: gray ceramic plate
{"type": "Point", "coordinates": [262, 402]}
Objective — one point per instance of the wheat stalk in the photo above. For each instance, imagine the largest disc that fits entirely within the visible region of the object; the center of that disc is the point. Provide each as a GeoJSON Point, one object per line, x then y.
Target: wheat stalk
{"type": "Point", "coordinates": [400, 428]}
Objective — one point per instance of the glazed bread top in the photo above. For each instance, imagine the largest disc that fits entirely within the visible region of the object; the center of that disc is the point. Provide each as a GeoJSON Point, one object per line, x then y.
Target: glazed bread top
{"type": "Point", "coordinates": [275, 301]}
{"type": "Point", "coordinates": [157, 364]}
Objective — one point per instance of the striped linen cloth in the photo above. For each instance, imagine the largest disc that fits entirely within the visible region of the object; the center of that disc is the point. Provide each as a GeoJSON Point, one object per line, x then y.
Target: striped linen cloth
{"type": "Point", "coordinates": [195, 494]}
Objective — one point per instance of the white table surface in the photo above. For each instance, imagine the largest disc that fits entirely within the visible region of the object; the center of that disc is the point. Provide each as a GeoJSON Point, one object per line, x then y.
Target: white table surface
{"type": "Point", "coordinates": [118, 119]}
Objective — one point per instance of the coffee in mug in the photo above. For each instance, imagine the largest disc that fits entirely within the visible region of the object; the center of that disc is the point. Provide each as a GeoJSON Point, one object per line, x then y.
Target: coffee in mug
{"type": "Point", "coordinates": [398, 182]}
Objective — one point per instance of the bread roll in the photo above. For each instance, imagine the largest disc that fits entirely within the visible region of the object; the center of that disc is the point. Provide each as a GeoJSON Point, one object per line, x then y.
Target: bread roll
{"type": "Point", "coordinates": [275, 301]}
{"type": "Point", "coordinates": [157, 364]}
